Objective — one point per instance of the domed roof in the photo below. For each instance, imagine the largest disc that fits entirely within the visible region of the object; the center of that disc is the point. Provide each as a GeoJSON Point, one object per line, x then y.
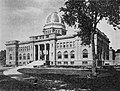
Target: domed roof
{"type": "Point", "coordinates": [55, 20]}
{"type": "Point", "coordinates": [54, 17]}
{"type": "Point", "coordinates": [118, 51]}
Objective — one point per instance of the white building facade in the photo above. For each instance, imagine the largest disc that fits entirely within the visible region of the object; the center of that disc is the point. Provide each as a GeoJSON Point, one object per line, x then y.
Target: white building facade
{"type": "Point", "coordinates": [55, 47]}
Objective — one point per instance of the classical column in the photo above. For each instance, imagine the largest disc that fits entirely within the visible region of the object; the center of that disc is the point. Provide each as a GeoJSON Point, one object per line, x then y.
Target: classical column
{"type": "Point", "coordinates": [7, 54]}
{"type": "Point", "coordinates": [34, 52]}
{"type": "Point", "coordinates": [45, 51]}
{"type": "Point", "coordinates": [38, 52]}
{"type": "Point", "coordinates": [76, 49]}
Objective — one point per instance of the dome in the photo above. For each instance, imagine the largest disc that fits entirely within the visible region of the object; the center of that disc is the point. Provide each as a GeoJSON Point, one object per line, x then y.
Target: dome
{"type": "Point", "coordinates": [54, 20]}
{"type": "Point", "coordinates": [118, 51]}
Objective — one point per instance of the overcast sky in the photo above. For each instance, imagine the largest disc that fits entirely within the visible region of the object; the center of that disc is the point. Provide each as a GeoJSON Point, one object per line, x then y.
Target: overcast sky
{"type": "Point", "coordinates": [20, 19]}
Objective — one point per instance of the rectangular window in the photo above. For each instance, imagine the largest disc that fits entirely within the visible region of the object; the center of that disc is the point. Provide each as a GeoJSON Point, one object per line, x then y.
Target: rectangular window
{"type": "Point", "coordinates": [84, 62]}
{"type": "Point", "coordinates": [65, 55]}
{"type": "Point", "coordinates": [70, 44]}
{"type": "Point", "coordinates": [58, 31]}
{"type": "Point", "coordinates": [52, 45]}
{"type": "Point", "coordinates": [67, 44]}
{"type": "Point", "coordinates": [24, 62]}
{"type": "Point", "coordinates": [73, 43]}
{"type": "Point", "coordinates": [59, 62]}
{"type": "Point", "coordinates": [59, 56]}
{"type": "Point", "coordinates": [47, 36]}
{"type": "Point", "coordinates": [57, 45]}
{"type": "Point", "coordinates": [72, 62]}
{"type": "Point", "coordinates": [85, 55]}
{"type": "Point", "coordinates": [60, 45]}
{"type": "Point", "coordinates": [63, 44]}
{"type": "Point", "coordinates": [51, 62]}
{"type": "Point", "coordinates": [72, 56]}
{"type": "Point", "coordinates": [65, 62]}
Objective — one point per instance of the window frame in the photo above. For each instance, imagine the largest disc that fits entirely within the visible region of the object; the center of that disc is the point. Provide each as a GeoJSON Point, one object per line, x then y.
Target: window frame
{"type": "Point", "coordinates": [28, 56]}
{"type": "Point", "coordinates": [10, 57]}
{"type": "Point", "coordinates": [72, 54]}
{"type": "Point", "coordinates": [59, 55]}
{"type": "Point", "coordinates": [85, 53]}
{"type": "Point", "coordinates": [24, 56]}
{"type": "Point", "coordinates": [66, 54]}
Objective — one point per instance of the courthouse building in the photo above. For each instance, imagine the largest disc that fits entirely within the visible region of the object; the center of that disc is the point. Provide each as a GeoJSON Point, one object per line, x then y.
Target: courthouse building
{"type": "Point", "coordinates": [56, 46]}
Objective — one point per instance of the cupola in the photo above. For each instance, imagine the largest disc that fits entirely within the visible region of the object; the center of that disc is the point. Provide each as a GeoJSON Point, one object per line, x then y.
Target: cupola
{"type": "Point", "coordinates": [54, 24]}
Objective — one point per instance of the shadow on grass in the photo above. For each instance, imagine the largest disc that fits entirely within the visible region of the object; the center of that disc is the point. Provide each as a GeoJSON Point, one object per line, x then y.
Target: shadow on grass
{"type": "Point", "coordinates": [8, 84]}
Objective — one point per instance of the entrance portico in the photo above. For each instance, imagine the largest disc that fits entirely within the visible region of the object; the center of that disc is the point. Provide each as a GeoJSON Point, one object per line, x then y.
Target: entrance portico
{"type": "Point", "coordinates": [42, 51]}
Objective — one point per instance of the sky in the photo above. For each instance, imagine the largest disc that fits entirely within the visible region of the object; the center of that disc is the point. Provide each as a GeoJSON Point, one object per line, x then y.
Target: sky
{"type": "Point", "coordinates": [20, 19]}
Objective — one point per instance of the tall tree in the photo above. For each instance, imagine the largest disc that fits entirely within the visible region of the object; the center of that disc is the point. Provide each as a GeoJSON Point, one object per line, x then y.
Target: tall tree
{"type": "Point", "coordinates": [2, 57]}
{"type": "Point", "coordinates": [86, 14]}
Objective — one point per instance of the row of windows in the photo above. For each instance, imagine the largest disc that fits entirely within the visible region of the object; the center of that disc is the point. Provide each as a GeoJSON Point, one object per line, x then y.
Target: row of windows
{"type": "Point", "coordinates": [26, 48]}
{"type": "Point", "coordinates": [10, 49]}
{"type": "Point", "coordinates": [24, 56]}
{"type": "Point", "coordinates": [52, 31]}
{"type": "Point", "coordinates": [66, 44]}
{"type": "Point", "coordinates": [59, 55]}
{"type": "Point", "coordinates": [65, 54]}
{"type": "Point", "coordinates": [20, 63]}
{"type": "Point", "coordinates": [72, 54]}
{"type": "Point", "coordinates": [65, 62]}
{"type": "Point", "coordinates": [72, 62]}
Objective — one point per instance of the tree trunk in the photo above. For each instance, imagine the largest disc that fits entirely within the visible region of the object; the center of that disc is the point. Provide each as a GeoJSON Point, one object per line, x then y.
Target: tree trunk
{"type": "Point", "coordinates": [93, 55]}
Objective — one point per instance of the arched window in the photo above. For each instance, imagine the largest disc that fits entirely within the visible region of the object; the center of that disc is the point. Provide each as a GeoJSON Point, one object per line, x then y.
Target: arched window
{"type": "Point", "coordinates": [10, 57]}
{"type": "Point", "coordinates": [24, 57]}
{"type": "Point", "coordinates": [65, 54]}
{"type": "Point", "coordinates": [20, 56]}
{"type": "Point", "coordinates": [28, 56]}
{"type": "Point", "coordinates": [59, 55]}
{"type": "Point", "coordinates": [72, 54]}
{"type": "Point", "coordinates": [85, 53]}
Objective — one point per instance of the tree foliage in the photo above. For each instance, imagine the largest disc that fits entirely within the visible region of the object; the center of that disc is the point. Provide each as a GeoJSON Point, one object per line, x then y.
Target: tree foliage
{"type": "Point", "coordinates": [86, 14]}
{"type": "Point", "coordinates": [2, 57]}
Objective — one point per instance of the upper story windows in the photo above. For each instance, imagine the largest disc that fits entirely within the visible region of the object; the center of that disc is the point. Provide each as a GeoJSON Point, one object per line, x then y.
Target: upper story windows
{"type": "Point", "coordinates": [24, 48]}
{"type": "Point", "coordinates": [85, 53]}
{"type": "Point", "coordinates": [10, 48]}
{"type": "Point", "coordinates": [60, 45]}
{"type": "Point", "coordinates": [66, 44]}
{"type": "Point", "coordinates": [71, 44]}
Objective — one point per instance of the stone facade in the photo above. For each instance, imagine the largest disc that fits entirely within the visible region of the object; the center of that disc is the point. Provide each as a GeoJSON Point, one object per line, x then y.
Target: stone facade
{"type": "Point", "coordinates": [56, 47]}
{"type": "Point", "coordinates": [117, 57]}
